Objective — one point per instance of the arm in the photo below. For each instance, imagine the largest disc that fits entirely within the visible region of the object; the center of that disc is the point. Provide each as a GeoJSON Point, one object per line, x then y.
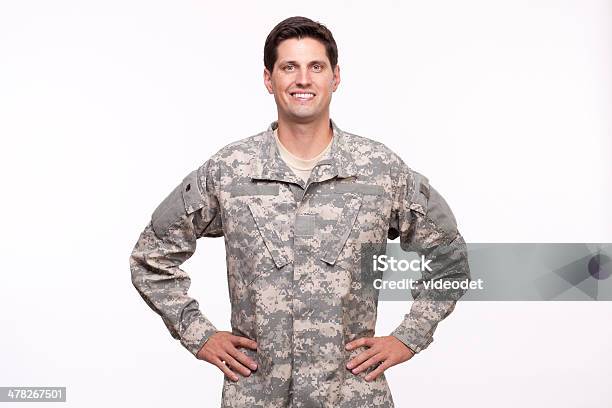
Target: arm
{"type": "Point", "coordinates": [426, 225]}
{"type": "Point", "coordinates": [189, 212]}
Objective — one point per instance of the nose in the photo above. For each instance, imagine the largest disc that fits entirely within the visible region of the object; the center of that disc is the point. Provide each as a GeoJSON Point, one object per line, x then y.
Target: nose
{"type": "Point", "coordinates": [302, 77]}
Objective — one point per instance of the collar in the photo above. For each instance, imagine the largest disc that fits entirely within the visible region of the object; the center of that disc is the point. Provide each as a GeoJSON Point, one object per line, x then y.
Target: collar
{"type": "Point", "coordinates": [268, 165]}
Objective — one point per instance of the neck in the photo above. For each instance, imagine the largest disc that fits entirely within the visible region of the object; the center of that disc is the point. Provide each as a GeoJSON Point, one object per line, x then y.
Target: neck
{"type": "Point", "coordinates": [305, 140]}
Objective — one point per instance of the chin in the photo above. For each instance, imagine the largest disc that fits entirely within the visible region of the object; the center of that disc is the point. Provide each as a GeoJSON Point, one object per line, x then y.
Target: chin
{"type": "Point", "coordinates": [304, 113]}
{"type": "Point", "coordinates": [303, 117]}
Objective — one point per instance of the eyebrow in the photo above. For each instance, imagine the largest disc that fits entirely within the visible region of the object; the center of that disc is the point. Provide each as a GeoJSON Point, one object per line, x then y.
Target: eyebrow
{"type": "Point", "coordinates": [297, 63]}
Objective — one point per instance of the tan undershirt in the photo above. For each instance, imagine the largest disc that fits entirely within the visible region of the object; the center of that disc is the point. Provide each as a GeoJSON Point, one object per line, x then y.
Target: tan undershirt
{"type": "Point", "coordinates": [302, 168]}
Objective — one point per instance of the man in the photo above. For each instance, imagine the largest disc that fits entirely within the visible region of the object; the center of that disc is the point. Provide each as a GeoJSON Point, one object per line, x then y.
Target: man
{"type": "Point", "coordinates": [295, 205]}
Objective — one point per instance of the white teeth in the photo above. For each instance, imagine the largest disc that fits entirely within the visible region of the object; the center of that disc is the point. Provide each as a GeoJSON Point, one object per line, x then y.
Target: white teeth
{"type": "Point", "coordinates": [303, 95]}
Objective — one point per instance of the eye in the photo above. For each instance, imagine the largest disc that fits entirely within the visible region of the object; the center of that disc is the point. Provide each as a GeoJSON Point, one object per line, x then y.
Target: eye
{"type": "Point", "coordinates": [288, 67]}
{"type": "Point", "coordinates": [317, 67]}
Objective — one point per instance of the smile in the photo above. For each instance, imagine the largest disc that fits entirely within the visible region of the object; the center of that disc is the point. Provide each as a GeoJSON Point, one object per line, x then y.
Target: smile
{"type": "Point", "coordinates": [303, 96]}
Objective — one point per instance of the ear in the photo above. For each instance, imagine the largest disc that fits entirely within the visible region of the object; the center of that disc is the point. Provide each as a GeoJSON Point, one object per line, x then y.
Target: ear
{"type": "Point", "coordinates": [268, 80]}
{"type": "Point", "coordinates": [336, 78]}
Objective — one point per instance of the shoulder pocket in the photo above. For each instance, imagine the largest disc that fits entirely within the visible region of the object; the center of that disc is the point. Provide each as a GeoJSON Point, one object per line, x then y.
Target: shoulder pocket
{"type": "Point", "coordinates": [428, 202]}
{"type": "Point", "coordinates": [440, 213]}
{"type": "Point", "coordinates": [420, 197]}
{"type": "Point", "coordinates": [185, 199]}
{"type": "Point", "coordinates": [193, 198]}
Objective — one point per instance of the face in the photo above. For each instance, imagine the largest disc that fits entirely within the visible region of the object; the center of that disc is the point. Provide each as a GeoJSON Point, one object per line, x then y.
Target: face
{"type": "Point", "coordinates": [302, 80]}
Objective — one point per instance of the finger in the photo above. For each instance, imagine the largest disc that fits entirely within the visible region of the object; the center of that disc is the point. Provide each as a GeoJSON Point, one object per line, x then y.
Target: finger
{"type": "Point", "coordinates": [378, 371]}
{"type": "Point", "coordinates": [369, 362]}
{"type": "Point", "coordinates": [243, 358]}
{"type": "Point", "coordinates": [244, 342]}
{"type": "Point", "coordinates": [226, 370]}
{"type": "Point", "coordinates": [360, 358]}
{"type": "Point", "coordinates": [364, 341]}
{"type": "Point", "coordinates": [235, 365]}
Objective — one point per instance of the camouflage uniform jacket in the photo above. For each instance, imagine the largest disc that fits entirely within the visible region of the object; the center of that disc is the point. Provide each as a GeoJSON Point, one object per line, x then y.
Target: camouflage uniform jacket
{"type": "Point", "coordinates": [293, 263]}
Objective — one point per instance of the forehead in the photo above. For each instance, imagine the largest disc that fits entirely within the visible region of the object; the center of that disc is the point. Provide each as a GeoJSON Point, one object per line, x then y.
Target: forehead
{"type": "Point", "coordinates": [302, 50]}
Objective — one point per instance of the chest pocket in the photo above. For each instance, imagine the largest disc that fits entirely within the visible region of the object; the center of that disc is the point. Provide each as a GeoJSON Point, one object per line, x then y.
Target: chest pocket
{"type": "Point", "coordinates": [268, 221]}
{"type": "Point", "coordinates": [253, 217]}
{"type": "Point", "coordinates": [353, 195]}
{"type": "Point", "coordinates": [336, 240]}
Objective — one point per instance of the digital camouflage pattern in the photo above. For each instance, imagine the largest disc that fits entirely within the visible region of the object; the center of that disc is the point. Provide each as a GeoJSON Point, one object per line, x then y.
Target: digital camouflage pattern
{"type": "Point", "coordinates": [293, 263]}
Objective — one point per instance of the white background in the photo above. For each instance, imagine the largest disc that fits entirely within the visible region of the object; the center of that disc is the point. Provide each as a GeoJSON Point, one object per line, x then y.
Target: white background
{"type": "Point", "coordinates": [105, 106]}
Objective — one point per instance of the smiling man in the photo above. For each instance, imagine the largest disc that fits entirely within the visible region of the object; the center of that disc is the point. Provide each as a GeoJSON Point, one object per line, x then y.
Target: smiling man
{"type": "Point", "coordinates": [296, 205]}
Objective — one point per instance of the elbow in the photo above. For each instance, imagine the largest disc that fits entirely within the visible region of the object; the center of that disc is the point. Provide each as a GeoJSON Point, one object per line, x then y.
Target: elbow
{"type": "Point", "coordinates": [136, 275]}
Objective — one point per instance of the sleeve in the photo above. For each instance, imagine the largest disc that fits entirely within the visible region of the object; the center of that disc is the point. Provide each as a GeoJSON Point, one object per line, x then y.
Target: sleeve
{"type": "Point", "coordinates": [190, 211]}
{"type": "Point", "coordinates": [426, 225]}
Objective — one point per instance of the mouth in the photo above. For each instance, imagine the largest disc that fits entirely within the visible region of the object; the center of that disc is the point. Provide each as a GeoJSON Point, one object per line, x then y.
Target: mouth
{"type": "Point", "coordinates": [302, 96]}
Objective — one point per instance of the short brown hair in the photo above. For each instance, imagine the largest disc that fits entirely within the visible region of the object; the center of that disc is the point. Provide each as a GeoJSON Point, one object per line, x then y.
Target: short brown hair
{"type": "Point", "coordinates": [299, 27]}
